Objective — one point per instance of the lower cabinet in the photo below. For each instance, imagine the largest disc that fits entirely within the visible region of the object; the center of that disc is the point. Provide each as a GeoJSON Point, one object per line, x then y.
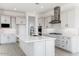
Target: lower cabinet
{"type": "Point", "coordinates": [44, 48]}
{"type": "Point", "coordinates": [7, 38]}
{"type": "Point", "coordinates": [38, 48]}
{"type": "Point", "coordinates": [63, 43]}
{"type": "Point", "coordinates": [68, 43]}
{"type": "Point", "coordinates": [50, 48]}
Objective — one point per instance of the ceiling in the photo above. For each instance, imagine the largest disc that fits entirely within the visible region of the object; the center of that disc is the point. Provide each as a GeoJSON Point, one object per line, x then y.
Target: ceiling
{"type": "Point", "coordinates": [29, 7]}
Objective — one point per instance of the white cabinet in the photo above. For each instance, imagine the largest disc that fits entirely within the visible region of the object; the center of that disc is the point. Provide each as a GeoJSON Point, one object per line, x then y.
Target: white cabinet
{"type": "Point", "coordinates": [63, 42]}
{"type": "Point", "coordinates": [71, 18]}
{"type": "Point", "coordinates": [47, 21]}
{"type": "Point", "coordinates": [44, 48]}
{"type": "Point", "coordinates": [50, 48]}
{"type": "Point", "coordinates": [63, 19]}
{"type": "Point", "coordinates": [41, 22]}
{"type": "Point", "coordinates": [7, 38]}
{"type": "Point", "coordinates": [33, 48]}
{"type": "Point", "coordinates": [13, 22]}
{"type": "Point", "coordinates": [68, 43]}
{"type": "Point", "coordinates": [20, 20]}
{"type": "Point", "coordinates": [68, 18]}
{"type": "Point", "coordinates": [5, 19]}
{"type": "Point", "coordinates": [38, 48]}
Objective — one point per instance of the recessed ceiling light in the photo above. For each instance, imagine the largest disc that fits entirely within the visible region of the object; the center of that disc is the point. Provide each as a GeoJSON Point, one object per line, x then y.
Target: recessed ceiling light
{"type": "Point", "coordinates": [14, 8]}
{"type": "Point", "coordinates": [37, 3]}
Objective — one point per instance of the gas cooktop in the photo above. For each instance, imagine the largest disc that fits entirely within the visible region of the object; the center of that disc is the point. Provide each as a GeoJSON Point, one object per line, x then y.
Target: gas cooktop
{"type": "Point", "coordinates": [56, 33]}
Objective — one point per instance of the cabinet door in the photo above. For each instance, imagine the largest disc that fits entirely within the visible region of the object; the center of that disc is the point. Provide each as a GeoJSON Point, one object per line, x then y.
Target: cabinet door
{"type": "Point", "coordinates": [21, 30]}
{"type": "Point", "coordinates": [67, 18]}
{"type": "Point", "coordinates": [46, 26]}
{"type": "Point", "coordinates": [47, 20]}
{"type": "Point", "coordinates": [50, 48]}
{"type": "Point", "coordinates": [20, 20]}
{"type": "Point", "coordinates": [64, 19]}
{"type": "Point", "coordinates": [8, 38]}
{"type": "Point", "coordinates": [58, 41]}
{"type": "Point", "coordinates": [41, 22]}
{"type": "Point", "coordinates": [68, 44]}
{"type": "Point", "coordinates": [13, 22]}
{"type": "Point", "coordinates": [65, 43]}
{"type": "Point", "coordinates": [4, 38]}
{"type": "Point", "coordinates": [2, 19]}
{"type": "Point", "coordinates": [11, 38]}
{"type": "Point", "coordinates": [39, 48]}
{"type": "Point", "coordinates": [71, 15]}
{"type": "Point", "coordinates": [5, 19]}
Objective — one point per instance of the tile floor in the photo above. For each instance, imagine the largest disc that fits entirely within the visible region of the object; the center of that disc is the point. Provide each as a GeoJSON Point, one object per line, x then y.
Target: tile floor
{"type": "Point", "coordinates": [10, 50]}
{"type": "Point", "coordinates": [61, 52]}
{"type": "Point", "coordinates": [13, 49]}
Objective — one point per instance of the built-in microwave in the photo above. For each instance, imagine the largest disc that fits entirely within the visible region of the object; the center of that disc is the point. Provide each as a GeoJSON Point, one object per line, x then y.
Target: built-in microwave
{"type": "Point", "coordinates": [5, 25]}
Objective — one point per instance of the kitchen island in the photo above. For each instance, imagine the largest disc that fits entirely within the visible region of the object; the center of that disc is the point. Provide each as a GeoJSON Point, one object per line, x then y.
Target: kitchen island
{"type": "Point", "coordinates": [37, 45]}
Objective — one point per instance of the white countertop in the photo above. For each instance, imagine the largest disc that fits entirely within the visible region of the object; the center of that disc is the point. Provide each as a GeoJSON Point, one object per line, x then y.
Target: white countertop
{"type": "Point", "coordinates": [35, 38]}
{"type": "Point", "coordinates": [7, 31]}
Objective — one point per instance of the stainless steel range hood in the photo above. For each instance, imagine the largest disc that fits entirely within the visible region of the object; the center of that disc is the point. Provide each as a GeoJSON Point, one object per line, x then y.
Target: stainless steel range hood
{"type": "Point", "coordinates": [55, 21]}
{"type": "Point", "coordinates": [56, 16]}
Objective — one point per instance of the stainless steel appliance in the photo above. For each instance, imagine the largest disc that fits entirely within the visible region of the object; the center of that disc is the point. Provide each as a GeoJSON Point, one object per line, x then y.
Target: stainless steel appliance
{"type": "Point", "coordinates": [39, 30]}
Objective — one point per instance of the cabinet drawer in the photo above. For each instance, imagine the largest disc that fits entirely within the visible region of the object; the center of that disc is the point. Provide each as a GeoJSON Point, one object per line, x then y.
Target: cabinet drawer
{"type": "Point", "coordinates": [57, 45]}
{"type": "Point", "coordinates": [7, 38]}
{"type": "Point", "coordinates": [63, 46]}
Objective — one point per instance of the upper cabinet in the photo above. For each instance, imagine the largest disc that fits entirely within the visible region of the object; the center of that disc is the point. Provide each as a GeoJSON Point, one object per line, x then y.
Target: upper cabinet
{"type": "Point", "coordinates": [20, 20]}
{"type": "Point", "coordinates": [5, 19]}
{"type": "Point", "coordinates": [47, 21]}
{"type": "Point", "coordinates": [41, 21]}
{"type": "Point", "coordinates": [68, 18]}
{"type": "Point", "coordinates": [13, 22]}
